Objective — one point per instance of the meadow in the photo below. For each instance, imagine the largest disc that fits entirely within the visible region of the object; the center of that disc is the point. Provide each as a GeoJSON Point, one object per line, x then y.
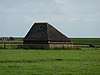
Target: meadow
{"type": "Point", "coordinates": [49, 62]}
{"type": "Point", "coordinates": [86, 41]}
{"type": "Point", "coordinates": [17, 61]}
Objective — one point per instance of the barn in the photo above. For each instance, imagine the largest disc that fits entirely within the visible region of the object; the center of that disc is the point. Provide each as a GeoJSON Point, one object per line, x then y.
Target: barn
{"type": "Point", "coordinates": [45, 36]}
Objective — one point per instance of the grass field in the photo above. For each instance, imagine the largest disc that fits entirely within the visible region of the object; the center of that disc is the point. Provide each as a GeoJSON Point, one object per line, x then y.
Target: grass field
{"type": "Point", "coordinates": [86, 41]}
{"type": "Point", "coordinates": [49, 62]}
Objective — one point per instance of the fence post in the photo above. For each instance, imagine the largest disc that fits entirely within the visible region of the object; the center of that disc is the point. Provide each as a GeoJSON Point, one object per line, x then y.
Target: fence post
{"type": "Point", "coordinates": [4, 46]}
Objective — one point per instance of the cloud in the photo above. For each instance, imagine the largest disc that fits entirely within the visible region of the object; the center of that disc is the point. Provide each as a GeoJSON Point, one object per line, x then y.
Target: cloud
{"type": "Point", "coordinates": [67, 15]}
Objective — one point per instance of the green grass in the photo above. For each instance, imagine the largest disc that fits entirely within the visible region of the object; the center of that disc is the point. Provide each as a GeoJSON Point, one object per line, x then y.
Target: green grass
{"type": "Point", "coordinates": [49, 62]}
{"type": "Point", "coordinates": [86, 41]}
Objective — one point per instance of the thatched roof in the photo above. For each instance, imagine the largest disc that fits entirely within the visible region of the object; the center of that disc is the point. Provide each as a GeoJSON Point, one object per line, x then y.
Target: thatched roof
{"type": "Point", "coordinates": [45, 32]}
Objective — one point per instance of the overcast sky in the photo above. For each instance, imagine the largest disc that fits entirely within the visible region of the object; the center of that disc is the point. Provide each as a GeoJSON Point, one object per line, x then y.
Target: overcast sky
{"type": "Point", "coordinates": [74, 18]}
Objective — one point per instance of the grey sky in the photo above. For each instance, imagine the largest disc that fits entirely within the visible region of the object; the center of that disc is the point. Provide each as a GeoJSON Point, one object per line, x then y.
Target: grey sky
{"type": "Point", "coordinates": [75, 18]}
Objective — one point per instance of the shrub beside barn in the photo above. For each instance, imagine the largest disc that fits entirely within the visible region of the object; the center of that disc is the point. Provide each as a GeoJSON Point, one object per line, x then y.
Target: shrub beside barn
{"type": "Point", "coordinates": [7, 38]}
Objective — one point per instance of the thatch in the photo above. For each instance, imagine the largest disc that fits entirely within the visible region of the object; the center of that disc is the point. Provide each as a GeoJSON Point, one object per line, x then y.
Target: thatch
{"type": "Point", "coordinates": [44, 33]}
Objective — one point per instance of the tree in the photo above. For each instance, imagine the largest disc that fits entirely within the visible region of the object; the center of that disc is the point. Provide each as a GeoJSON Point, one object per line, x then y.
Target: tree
{"type": "Point", "coordinates": [11, 38]}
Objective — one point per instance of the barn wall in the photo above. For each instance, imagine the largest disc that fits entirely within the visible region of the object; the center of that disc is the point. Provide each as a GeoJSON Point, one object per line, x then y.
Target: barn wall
{"type": "Point", "coordinates": [48, 46]}
{"type": "Point", "coordinates": [36, 46]}
{"type": "Point", "coordinates": [61, 46]}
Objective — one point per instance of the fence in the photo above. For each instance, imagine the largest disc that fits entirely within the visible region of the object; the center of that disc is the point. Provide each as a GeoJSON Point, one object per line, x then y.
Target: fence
{"type": "Point", "coordinates": [18, 45]}
{"type": "Point", "coordinates": [11, 44]}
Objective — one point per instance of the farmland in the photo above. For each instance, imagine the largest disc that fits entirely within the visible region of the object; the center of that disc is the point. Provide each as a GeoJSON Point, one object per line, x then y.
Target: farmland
{"type": "Point", "coordinates": [49, 62]}
{"type": "Point", "coordinates": [85, 42]}
{"type": "Point", "coordinates": [81, 42]}
{"type": "Point", "coordinates": [17, 61]}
